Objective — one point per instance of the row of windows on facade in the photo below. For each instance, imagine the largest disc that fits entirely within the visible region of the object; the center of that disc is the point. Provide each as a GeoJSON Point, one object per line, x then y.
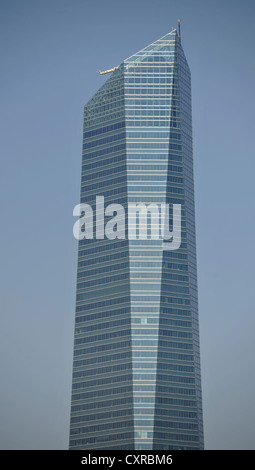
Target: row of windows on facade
{"type": "Point", "coordinates": [178, 368]}
{"type": "Point", "coordinates": [143, 388]}
{"type": "Point", "coordinates": [136, 247]}
{"type": "Point", "coordinates": [148, 90]}
{"type": "Point", "coordinates": [102, 130]}
{"type": "Point", "coordinates": [130, 423]}
{"type": "Point", "coordinates": [131, 112]}
{"type": "Point", "coordinates": [161, 111]}
{"type": "Point", "coordinates": [133, 102]}
{"type": "Point", "coordinates": [118, 312]}
{"type": "Point", "coordinates": [138, 434]}
{"type": "Point", "coordinates": [133, 274]}
{"type": "Point", "coordinates": [137, 145]}
{"type": "Point", "coordinates": [123, 300]}
{"type": "Point", "coordinates": [152, 123]}
{"type": "Point", "coordinates": [168, 392]}
{"type": "Point", "coordinates": [153, 81]}
{"type": "Point", "coordinates": [141, 286]}
{"type": "Point", "coordinates": [177, 414]}
{"type": "Point", "coordinates": [160, 182]}
{"type": "Point", "coordinates": [157, 112]}
{"type": "Point", "coordinates": [127, 178]}
{"type": "Point", "coordinates": [102, 246]}
{"type": "Point", "coordinates": [136, 343]}
{"type": "Point", "coordinates": [162, 55]}
{"type": "Point", "coordinates": [135, 332]}
{"type": "Point", "coordinates": [137, 119]}
{"type": "Point", "coordinates": [149, 134]}
{"type": "Point", "coordinates": [159, 121]}
{"type": "Point", "coordinates": [159, 106]}
{"type": "Point", "coordinates": [114, 246]}
{"type": "Point", "coordinates": [151, 92]}
{"type": "Point", "coordinates": [110, 102]}
{"type": "Point", "coordinates": [144, 112]}
{"type": "Point", "coordinates": [163, 404]}
{"type": "Point", "coordinates": [151, 114]}
{"type": "Point", "coordinates": [175, 332]}
{"type": "Point", "coordinates": [133, 161]}
{"type": "Point", "coordinates": [134, 321]}
{"type": "Point", "coordinates": [118, 195]}
{"type": "Point", "coordinates": [102, 108]}
{"type": "Point", "coordinates": [140, 161]}
{"type": "Point", "coordinates": [156, 446]}
{"type": "Point", "coordinates": [146, 282]}
{"type": "Point", "coordinates": [146, 68]}
{"type": "Point", "coordinates": [137, 167]}
{"type": "Point", "coordinates": [155, 87]}
{"type": "Point", "coordinates": [107, 348]}
{"type": "Point", "coordinates": [143, 378]}
{"type": "Point", "coordinates": [116, 186]}
{"type": "Point", "coordinates": [138, 264]}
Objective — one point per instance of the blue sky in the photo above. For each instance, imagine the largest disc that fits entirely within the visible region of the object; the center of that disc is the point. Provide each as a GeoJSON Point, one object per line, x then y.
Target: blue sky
{"type": "Point", "coordinates": [50, 52]}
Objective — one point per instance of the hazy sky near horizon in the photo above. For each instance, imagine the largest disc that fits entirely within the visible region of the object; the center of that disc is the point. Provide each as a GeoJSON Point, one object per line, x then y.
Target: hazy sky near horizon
{"type": "Point", "coordinates": [50, 52]}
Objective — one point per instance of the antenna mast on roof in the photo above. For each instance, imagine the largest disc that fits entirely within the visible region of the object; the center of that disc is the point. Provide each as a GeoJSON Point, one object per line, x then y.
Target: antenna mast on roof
{"type": "Point", "coordinates": [179, 29]}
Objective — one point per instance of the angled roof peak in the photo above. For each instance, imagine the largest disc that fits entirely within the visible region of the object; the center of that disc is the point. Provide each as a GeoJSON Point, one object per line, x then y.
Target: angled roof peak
{"type": "Point", "coordinates": [164, 41]}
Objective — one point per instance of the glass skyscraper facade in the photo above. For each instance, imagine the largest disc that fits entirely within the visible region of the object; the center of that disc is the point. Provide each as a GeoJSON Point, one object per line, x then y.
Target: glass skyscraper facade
{"type": "Point", "coordinates": [136, 367]}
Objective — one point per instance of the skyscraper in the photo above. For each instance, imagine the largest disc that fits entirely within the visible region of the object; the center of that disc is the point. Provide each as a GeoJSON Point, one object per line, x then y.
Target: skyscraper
{"type": "Point", "coordinates": [136, 367]}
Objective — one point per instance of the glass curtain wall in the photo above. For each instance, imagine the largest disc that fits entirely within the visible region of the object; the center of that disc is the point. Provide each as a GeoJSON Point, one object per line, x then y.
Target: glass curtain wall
{"type": "Point", "coordinates": [136, 371]}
